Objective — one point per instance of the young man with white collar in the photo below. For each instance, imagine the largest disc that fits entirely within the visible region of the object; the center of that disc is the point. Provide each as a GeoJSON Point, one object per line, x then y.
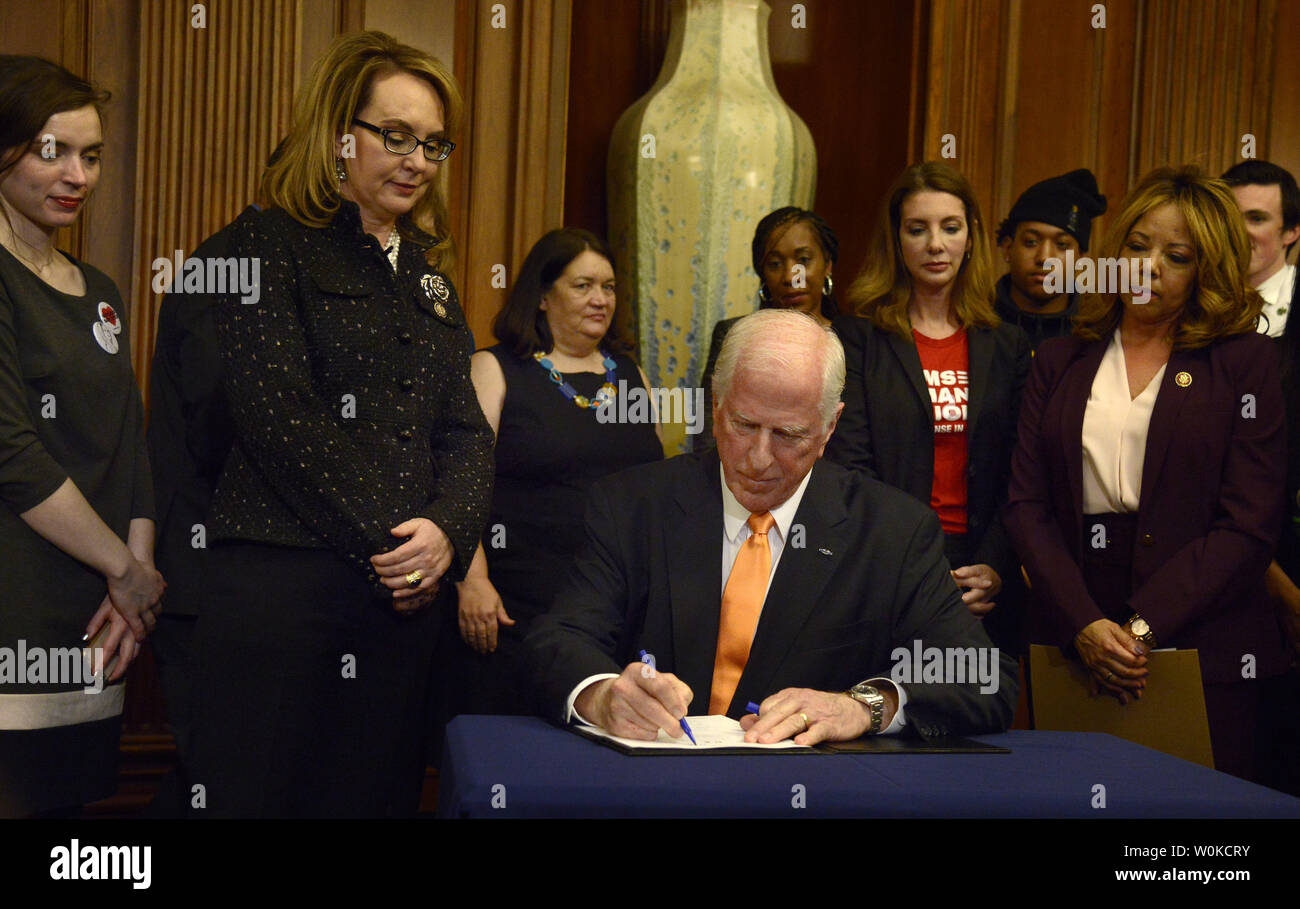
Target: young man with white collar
{"type": "Point", "coordinates": [1270, 203]}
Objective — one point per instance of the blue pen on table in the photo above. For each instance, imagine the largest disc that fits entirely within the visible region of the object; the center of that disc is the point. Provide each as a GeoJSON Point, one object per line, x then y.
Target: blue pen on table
{"type": "Point", "coordinates": [647, 658]}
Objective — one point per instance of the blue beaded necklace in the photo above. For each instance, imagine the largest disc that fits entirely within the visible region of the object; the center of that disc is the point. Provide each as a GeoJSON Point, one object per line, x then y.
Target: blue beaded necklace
{"type": "Point", "coordinates": [604, 396]}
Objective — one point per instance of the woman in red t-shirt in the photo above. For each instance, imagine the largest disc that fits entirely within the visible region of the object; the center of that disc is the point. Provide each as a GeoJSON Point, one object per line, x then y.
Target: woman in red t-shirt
{"type": "Point", "coordinates": [933, 387]}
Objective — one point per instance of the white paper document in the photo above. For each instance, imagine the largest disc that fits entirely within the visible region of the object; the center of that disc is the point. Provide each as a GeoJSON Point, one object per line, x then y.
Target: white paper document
{"type": "Point", "coordinates": [709, 731]}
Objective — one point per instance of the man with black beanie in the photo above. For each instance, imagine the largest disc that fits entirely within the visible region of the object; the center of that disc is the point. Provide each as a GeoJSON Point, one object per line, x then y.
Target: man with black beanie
{"type": "Point", "coordinates": [1051, 218]}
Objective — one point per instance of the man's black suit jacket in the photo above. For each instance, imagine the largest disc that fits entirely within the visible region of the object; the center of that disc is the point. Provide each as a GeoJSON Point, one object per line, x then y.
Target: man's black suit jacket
{"type": "Point", "coordinates": [869, 576]}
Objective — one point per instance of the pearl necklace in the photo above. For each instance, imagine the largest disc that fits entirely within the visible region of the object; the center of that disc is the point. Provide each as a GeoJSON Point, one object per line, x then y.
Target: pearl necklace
{"type": "Point", "coordinates": [394, 244]}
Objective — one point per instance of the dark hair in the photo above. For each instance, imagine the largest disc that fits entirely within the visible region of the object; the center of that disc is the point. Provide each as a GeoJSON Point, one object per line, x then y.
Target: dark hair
{"type": "Point", "coordinates": [788, 217]}
{"type": "Point", "coordinates": [521, 324]}
{"type": "Point", "coordinates": [1265, 173]}
{"type": "Point", "coordinates": [32, 90]}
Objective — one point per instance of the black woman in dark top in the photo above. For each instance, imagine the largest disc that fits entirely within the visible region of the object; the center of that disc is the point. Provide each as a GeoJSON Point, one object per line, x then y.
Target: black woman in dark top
{"type": "Point", "coordinates": [934, 380]}
{"type": "Point", "coordinates": [361, 470]}
{"type": "Point", "coordinates": [562, 355]}
{"type": "Point", "coordinates": [76, 499]}
{"type": "Point", "coordinates": [794, 252]}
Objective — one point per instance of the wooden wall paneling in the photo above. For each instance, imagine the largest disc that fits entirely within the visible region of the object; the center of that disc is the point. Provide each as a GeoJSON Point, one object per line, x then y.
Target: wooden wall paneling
{"type": "Point", "coordinates": [1206, 80]}
{"type": "Point", "coordinates": [994, 41]}
{"type": "Point", "coordinates": [539, 168]}
{"type": "Point", "coordinates": [513, 141]}
{"type": "Point", "coordinates": [489, 149]}
{"type": "Point", "coordinates": [969, 43]}
{"type": "Point", "coordinates": [112, 40]}
{"type": "Point", "coordinates": [25, 29]}
{"type": "Point", "coordinates": [616, 50]}
{"type": "Point", "coordinates": [351, 16]}
{"type": "Point", "coordinates": [74, 57]}
{"type": "Point", "coordinates": [318, 21]}
{"type": "Point", "coordinates": [1135, 111]}
{"type": "Point", "coordinates": [426, 24]}
{"type": "Point", "coordinates": [1006, 135]}
{"type": "Point", "coordinates": [1116, 110]}
{"type": "Point", "coordinates": [1072, 99]}
{"type": "Point", "coordinates": [920, 80]}
{"type": "Point", "coordinates": [1270, 47]}
{"type": "Point", "coordinates": [461, 161]}
{"type": "Point", "coordinates": [1205, 122]}
{"type": "Point", "coordinates": [1282, 116]}
{"type": "Point", "coordinates": [211, 100]}
{"type": "Point", "coordinates": [850, 80]}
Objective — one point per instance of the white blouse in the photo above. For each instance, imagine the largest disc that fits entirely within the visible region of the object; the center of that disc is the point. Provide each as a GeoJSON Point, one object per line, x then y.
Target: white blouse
{"type": "Point", "coordinates": [1115, 435]}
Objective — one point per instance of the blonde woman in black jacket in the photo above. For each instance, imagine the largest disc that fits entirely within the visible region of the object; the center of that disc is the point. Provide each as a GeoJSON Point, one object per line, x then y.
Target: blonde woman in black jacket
{"type": "Point", "coordinates": [361, 472]}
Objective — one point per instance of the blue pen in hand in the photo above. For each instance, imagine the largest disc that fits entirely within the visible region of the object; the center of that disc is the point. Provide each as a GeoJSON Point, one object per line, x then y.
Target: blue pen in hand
{"type": "Point", "coordinates": [650, 661]}
{"type": "Point", "coordinates": [751, 707]}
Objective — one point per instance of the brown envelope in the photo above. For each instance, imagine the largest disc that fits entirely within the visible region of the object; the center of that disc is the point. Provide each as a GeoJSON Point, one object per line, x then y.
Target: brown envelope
{"type": "Point", "coordinates": [1170, 717]}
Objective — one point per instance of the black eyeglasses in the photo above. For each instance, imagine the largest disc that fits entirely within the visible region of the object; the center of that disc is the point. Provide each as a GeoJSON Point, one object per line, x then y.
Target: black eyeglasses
{"type": "Point", "coordinates": [402, 143]}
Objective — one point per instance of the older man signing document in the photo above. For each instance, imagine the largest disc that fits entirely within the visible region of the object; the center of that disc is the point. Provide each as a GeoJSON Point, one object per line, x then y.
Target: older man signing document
{"type": "Point", "coordinates": [757, 572]}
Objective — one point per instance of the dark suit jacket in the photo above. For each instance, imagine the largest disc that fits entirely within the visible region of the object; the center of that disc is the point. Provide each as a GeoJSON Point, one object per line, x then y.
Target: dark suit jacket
{"type": "Point", "coordinates": [887, 427]}
{"type": "Point", "coordinates": [350, 391]}
{"type": "Point", "coordinates": [870, 577]}
{"type": "Point", "coordinates": [1288, 348]}
{"type": "Point", "coordinates": [190, 427]}
{"type": "Point", "coordinates": [1210, 504]}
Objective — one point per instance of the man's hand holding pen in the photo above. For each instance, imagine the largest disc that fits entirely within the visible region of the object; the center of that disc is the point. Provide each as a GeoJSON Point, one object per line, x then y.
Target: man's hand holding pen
{"type": "Point", "coordinates": [637, 704]}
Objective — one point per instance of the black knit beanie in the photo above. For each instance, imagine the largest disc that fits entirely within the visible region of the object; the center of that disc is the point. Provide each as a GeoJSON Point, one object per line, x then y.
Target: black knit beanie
{"type": "Point", "coordinates": [1069, 202]}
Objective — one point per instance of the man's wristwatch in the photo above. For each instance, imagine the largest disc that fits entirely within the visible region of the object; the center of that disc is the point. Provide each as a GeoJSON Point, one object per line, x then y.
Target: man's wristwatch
{"type": "Point", "coordinates": [875, 701]}
{"type": "Point", "coordinates": [1138, 627]}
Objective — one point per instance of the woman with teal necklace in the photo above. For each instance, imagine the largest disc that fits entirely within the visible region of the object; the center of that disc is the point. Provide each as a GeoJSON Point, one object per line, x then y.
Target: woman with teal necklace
{"type": "Point", "coordinates": [562, 354]}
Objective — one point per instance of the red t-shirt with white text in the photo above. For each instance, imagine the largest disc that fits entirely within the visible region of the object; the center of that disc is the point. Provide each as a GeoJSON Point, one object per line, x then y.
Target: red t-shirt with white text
{"type": "Point", "coordinates": [945, 363]}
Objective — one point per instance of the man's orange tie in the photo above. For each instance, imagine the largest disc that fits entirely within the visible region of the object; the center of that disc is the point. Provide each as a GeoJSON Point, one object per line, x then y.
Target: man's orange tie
{"type": "Point", "coordinates": [742, 601]}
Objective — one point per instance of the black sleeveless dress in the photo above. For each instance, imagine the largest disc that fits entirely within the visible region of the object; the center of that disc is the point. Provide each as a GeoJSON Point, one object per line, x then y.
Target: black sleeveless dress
{"type": "Point", "coordinates": [548, 453]}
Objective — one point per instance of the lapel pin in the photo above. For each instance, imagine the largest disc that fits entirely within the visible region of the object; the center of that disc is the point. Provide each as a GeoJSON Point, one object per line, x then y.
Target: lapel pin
{"type": "Point", "coordinates": [435, 287]}
{"type": "Point", "coordinates": [1183, 379]}
{"type": "Point", "coordinates": [824, 551]}
{"type": "Point", "coordinates": [104, 337]}
{"type": "Point", "coordinates": [436, 290]}
{"type": "Point", "coordinates": [109, 318]}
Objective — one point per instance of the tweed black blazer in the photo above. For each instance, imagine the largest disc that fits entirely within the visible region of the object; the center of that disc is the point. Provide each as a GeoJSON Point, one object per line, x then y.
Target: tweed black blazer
{"type": "Point", "coordinates": [350, 392]}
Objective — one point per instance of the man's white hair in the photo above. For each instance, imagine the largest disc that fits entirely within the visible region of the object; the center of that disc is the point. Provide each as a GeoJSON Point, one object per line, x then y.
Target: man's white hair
{"type": "Point", "coordinates": [782, 341]}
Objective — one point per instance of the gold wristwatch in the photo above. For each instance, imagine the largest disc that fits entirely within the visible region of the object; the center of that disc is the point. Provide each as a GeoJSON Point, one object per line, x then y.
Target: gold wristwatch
{"type": "Point", "coordinates": [1138, 627]}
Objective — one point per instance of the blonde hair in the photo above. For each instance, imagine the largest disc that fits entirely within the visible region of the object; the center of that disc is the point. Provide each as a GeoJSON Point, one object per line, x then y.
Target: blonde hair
{"type": "Point", "coordinates": [882, 291]}
{"type": "Point", "coordinates": [302, 181]}
{"type": "Point", "coordinates": [1222, 303]}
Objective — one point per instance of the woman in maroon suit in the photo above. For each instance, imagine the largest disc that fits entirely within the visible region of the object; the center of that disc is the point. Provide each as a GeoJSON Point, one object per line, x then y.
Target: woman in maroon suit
{"type": "Point", "coordinates": [1147, 482]}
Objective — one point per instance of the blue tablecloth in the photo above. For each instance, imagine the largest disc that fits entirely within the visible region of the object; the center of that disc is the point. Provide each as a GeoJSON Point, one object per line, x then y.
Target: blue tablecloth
{"type": "Point", "coordinates": [520, 767]}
